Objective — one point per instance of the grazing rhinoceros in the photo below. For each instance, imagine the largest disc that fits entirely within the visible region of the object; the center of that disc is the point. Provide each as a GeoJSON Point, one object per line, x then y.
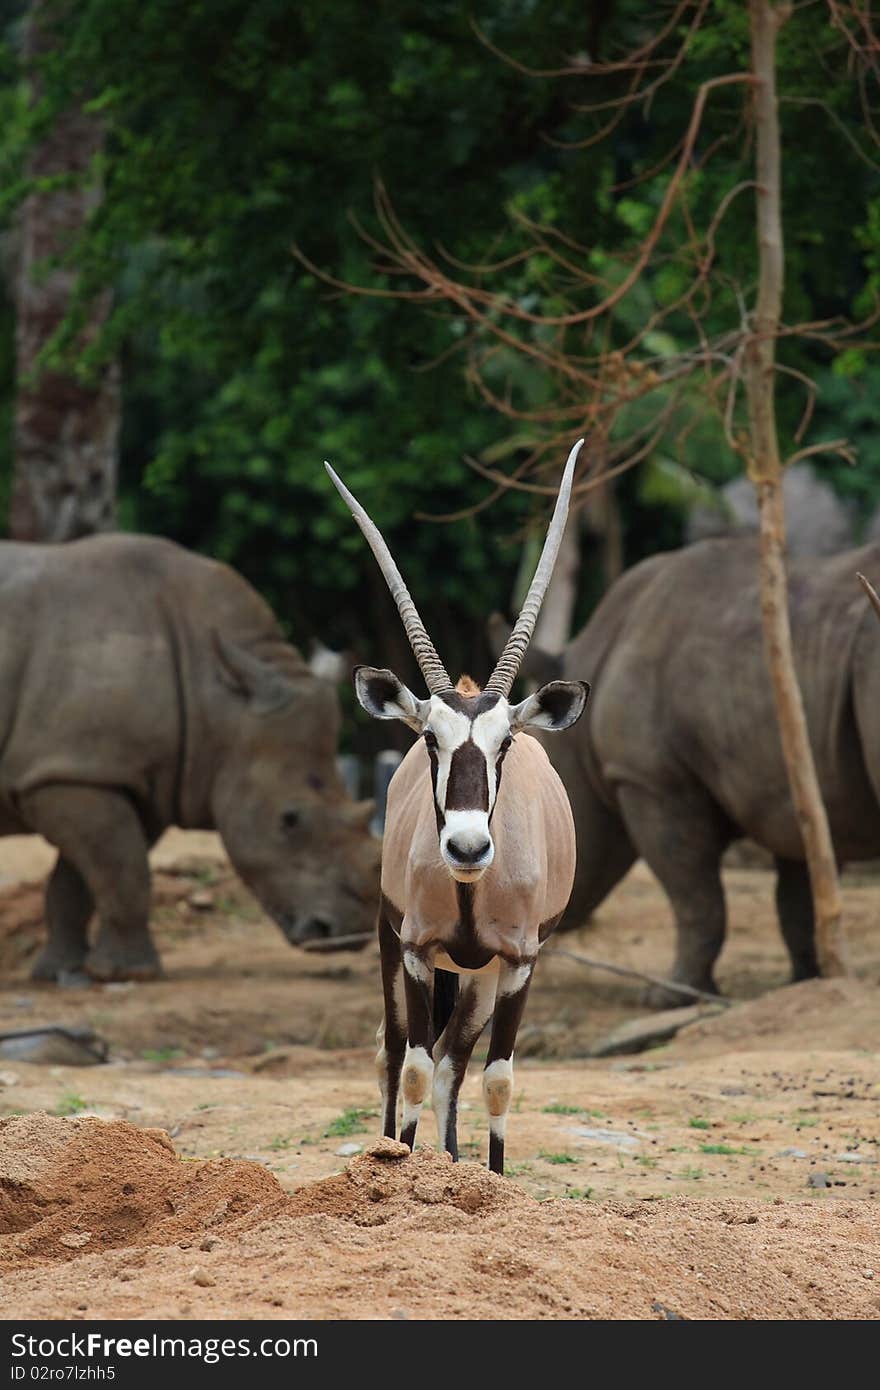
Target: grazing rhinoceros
{"type": "Point", "coordinates": [144, 686]}
{"type": "Point", "coordinates": [678, 752]}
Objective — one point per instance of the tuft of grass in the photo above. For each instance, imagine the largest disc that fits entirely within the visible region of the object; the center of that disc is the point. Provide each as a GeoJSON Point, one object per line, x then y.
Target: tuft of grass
{"type": "Point", "coordinates": [697, 1122]}
{"type": "Point", "coordinates": [281, 1141]}
{"type": "Point", "coordinates": [578, 1193]}
{"type": "Point", "coordinates": [161, 1054]}
{"type": "Point", "coordinates": [693, 1174]}
{"type": "Point", "coordinates": [70, 1104]}
{"type": "Point", "coordinates": [349, 1122]}
{"type": "Point", "coordinates": [556, 1109]}
{"type": "Point", "coordinates": [556, 1158]}
{"type": "Point", "coordinates": [726, 1149]}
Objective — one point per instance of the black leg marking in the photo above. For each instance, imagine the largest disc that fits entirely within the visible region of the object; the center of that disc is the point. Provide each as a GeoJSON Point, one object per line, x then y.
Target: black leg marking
{"type": "Point", "coordinates": [418, 1064]}
{"type": "Point", "coordinates": [513, 989]}
{"type": "Point", "coordinates": [474, 1008]}
{"type": "Point", "coordinates": [389, 1059]}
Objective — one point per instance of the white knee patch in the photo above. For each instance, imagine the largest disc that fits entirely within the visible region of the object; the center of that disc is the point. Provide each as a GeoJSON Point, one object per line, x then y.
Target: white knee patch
{"type": "Point", "coordinates": [513, 979]}
{"type": "Point", "coordinates": [498, 1093]}
{"type": "Point", "coordinates": [416, 967]}
{"type": "Point", "coordinates": [415, 1082]}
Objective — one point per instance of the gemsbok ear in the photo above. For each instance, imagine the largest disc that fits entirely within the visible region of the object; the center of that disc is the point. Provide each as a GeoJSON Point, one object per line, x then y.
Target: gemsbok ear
{"type": "Point", "coordinates": [555, 706]}
{"type": "Point", "coordinates": [385, 697]}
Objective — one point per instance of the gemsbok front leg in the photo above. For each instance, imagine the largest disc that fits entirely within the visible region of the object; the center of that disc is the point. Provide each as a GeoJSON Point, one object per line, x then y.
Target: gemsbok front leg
{"type": "Point", "coordinates": [510, 1000]}
{"type": "Point", "coordinates": [452, 1053]}
{"type": "Point", "coordinates": [392, 1034]}
{"type": "Point", "coordinates": [418, 1061]}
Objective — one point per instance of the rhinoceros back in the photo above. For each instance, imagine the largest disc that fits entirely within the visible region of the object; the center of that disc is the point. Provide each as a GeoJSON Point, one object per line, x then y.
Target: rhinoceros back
{"type": "Point", "coordinates": [106, 663]}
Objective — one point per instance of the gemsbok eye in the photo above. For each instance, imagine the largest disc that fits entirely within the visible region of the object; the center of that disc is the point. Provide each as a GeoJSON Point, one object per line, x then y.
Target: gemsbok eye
{"type": "Point", "coordinates": [290, 819]}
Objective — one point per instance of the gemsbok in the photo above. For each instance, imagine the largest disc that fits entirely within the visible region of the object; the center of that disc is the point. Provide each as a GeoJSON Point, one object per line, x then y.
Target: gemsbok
{"type": "Point", "coordinates": [477, 868]}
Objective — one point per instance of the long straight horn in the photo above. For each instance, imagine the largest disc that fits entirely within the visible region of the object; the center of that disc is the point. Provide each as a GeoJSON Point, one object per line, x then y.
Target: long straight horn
{"type": "Point", "coordinates": [509, 662]}
{"type": "Point", "coordinates": [431, 666]}
{"type": "Point", "coordinates": [871, 592]}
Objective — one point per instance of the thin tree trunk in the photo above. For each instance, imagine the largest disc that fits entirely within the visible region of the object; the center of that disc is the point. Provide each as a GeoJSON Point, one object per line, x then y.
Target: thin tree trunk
{"type": "Point", "coordinates": [553, 627]}
{"type": "Point", "coordinates": [766, 473]}
{"type": "Point", "coordinates": [66, 432]}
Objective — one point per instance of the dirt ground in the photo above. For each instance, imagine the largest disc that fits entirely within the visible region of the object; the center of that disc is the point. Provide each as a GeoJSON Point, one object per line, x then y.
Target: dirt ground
{"type": "Point", "coordinates": [222, 1163]}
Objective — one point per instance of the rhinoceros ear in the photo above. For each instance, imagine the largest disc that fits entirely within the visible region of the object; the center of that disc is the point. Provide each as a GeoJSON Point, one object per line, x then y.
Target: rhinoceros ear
{"type": "Point", "coordinates": [254, 680]}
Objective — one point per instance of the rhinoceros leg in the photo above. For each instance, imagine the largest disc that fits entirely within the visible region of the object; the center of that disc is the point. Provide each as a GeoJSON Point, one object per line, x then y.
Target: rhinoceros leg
{"type": "Point", "coordinates": [100, 833]}
{"type": "Point", "coordinates": [682, 835]}
{"type": "Point", "coordinates": [794, 904]}
{"type": "Point", "coordinates": [69, 905]}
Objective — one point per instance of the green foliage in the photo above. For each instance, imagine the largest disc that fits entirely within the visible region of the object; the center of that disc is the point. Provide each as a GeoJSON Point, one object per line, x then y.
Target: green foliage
{"type": "Point", "coordinates": [238, 129]}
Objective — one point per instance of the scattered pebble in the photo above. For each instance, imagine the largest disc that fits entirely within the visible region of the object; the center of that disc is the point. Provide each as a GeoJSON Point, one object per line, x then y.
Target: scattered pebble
{"type": "Point", "coordinates": [849, 1157]}
{"type": "Point", "coordinates": [8, 1078]}
{"type": "Point", "coordinates": [792, 1153]}
{"type": "Point", "coordinates": [208, 1243]}
{"type": "Point", "coordinates": [201, 1277]}
{"type": "Point", "coordinates": [202, 900]}
{"type": "Point", "coordinates": [74, 1239]}
{"type": "Point", "coordinates": [346, 1150]}
{"type": "Point", "coordinates": [618, 1138]}
{"type": "Point", "coordinates": [818, 1180]}
{"type": "Point", "coordinates": [867, 1274]}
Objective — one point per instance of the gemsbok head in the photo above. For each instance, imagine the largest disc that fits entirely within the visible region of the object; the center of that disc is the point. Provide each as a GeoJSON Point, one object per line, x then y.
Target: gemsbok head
{"type": "Point", "coordinates": [478, 857]}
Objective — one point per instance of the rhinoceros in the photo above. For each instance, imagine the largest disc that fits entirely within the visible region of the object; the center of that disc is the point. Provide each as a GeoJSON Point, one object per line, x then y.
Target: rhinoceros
{"type": "Point", "coordinates": [143, 686]}
{"type": "Point", "coordinates": [678, 753]}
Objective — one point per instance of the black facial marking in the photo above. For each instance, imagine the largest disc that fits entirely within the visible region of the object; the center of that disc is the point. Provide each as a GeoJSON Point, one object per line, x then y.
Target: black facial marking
{"type": "Point", "coordinates": [467, 788]}
{"type": "Point", "coordinates": [432, 755]}
{"type": "Point", "coordinates": [471, 705]}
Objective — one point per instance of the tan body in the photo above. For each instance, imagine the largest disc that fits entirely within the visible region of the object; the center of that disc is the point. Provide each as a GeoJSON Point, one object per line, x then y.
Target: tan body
{"type": "Point", "coordinates": [526, 888]}
{"type": "Point", "coordinates": [478, 860]}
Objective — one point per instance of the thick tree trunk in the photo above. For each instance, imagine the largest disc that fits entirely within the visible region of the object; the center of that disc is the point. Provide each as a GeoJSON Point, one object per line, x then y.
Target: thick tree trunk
{"type": "Point", "coordinates": [66, 433]}
{"type": "Point", "coordinates": [766, 473]}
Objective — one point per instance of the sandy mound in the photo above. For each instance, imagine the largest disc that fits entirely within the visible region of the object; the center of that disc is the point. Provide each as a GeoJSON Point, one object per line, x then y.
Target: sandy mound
{"type": "Point", "coordinates": [67, 1185]}
{"type": "Point", "coordinates": [103, 1220]}
{"type": "Point", "coordinates": [834, 1015]}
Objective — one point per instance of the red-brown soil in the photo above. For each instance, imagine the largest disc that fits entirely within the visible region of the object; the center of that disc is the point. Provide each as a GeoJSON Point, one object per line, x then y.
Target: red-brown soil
{"type": "Point", "coordinates": [731, 1173]}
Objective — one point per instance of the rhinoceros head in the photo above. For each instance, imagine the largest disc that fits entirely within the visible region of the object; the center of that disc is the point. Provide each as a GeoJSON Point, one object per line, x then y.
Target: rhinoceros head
{"type": "Point", "coordinates": [292, 832]}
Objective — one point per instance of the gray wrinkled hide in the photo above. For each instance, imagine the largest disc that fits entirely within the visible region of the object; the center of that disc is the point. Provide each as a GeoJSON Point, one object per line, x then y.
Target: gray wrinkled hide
{"type": "Point", "coordinates": [678, 752]}
{"type": "Point", "coordinates": [143, 686]}
{"type": "Point", "coordinates": [816, 521]}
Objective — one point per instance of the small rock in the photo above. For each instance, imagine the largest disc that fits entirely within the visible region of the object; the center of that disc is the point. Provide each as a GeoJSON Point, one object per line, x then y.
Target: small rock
{"type": "Point", "coordinates": [22, 1001]}
{"type": "Point", "coordinates": [202, 900]}
{"type": "Point", "coordinates": [850, 1157]}
{"type": "Point", "coordinates": [8, 1078]}
{"type": "Point", "coordinates": [390, 1150]}
{"type": "Point", "coordinates": [201, 1277]}
{"type": "Point", "coordinates": [867, 1274]}
{"type": "Point", "coordinates": [74, 1239]}
{"type": "Point", "coordinates": [818, 1180]}
{"type": "Point", "coordinates": [125, 1275]}
{"type": "Point", "coordinates": [208, 1243]}
{"type": "Point", "coordinates": [792, 1153]}
{"type": "Point", "coordinates": [619, 1139]}
{"type": "Point", "coordinates": [119, 986]}
{"type": "Point", "coordinates": [400, 1314]}
{"type": "Point", "coordinates": [347, 1150]}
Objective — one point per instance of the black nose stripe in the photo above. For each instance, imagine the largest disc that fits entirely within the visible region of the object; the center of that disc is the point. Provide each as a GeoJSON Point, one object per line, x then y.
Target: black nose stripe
{"type": "Point", "coordinates": [467, 788]}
